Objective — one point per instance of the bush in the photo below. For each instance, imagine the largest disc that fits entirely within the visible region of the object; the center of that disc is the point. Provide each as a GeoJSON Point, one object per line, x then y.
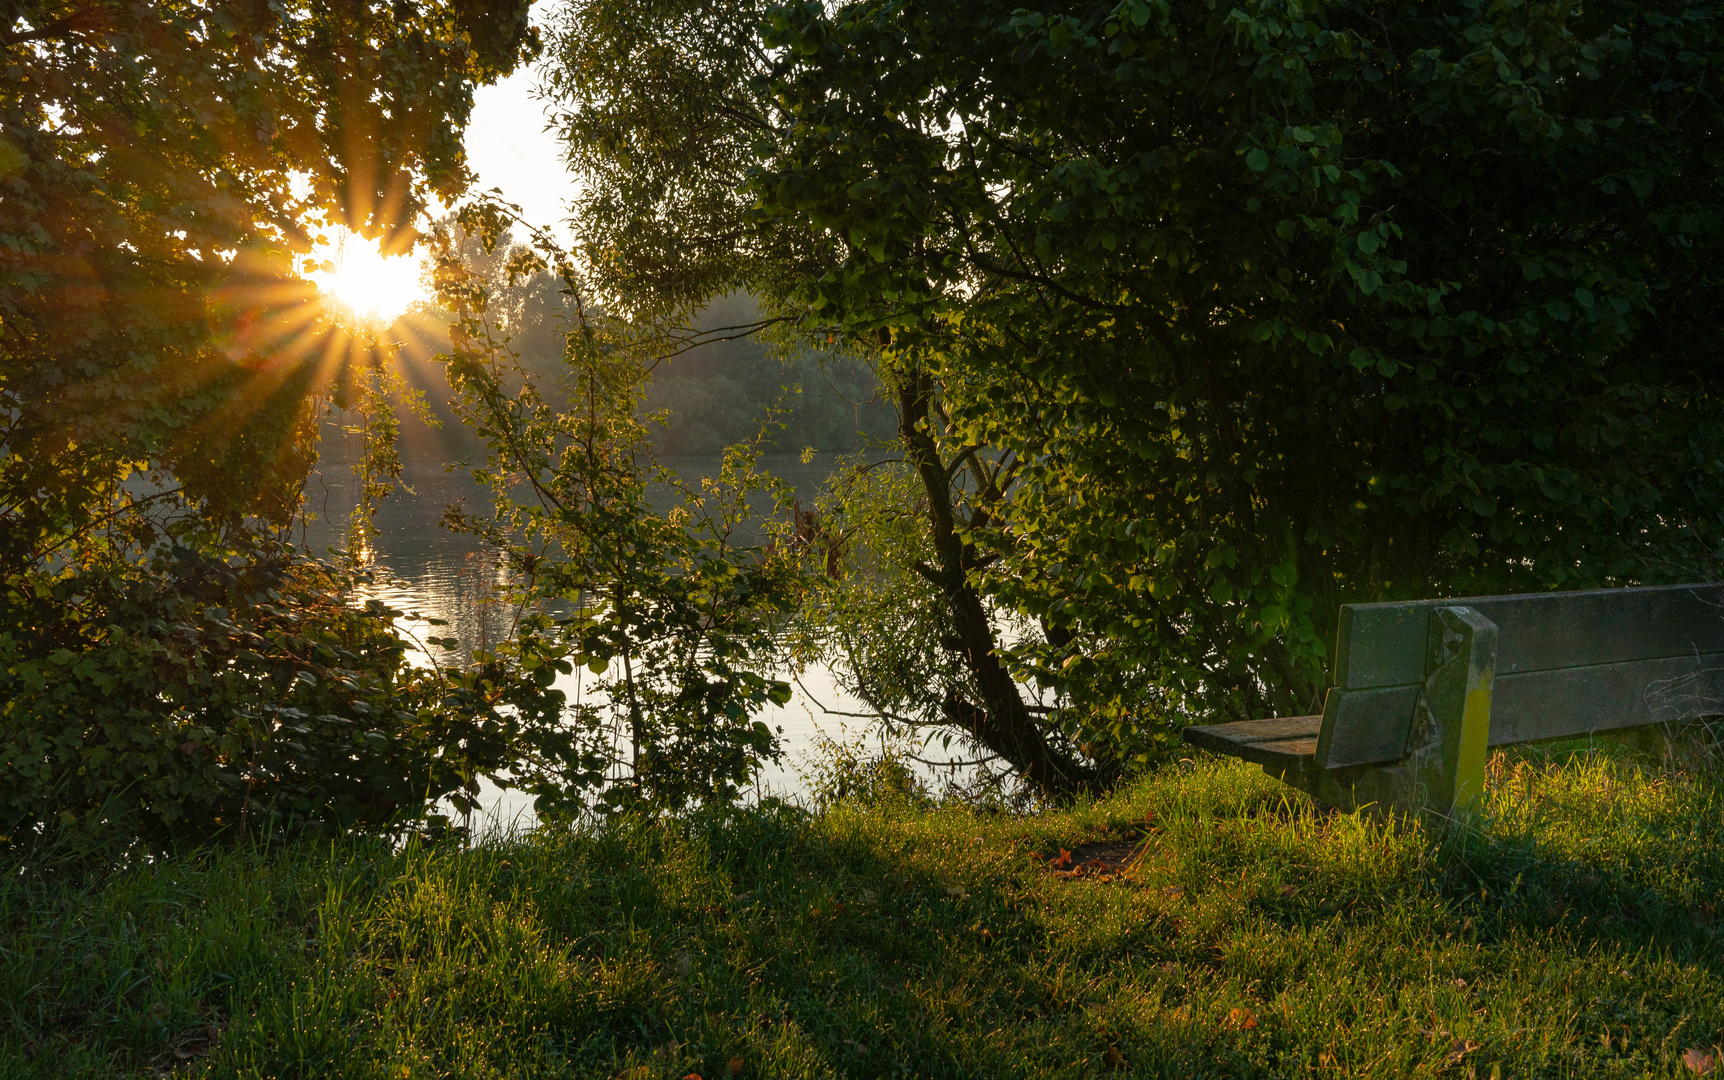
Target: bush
{"type": "Point", "coordinates": [841, 772]}
{"type": "Point", "coordinates": [187, 699]}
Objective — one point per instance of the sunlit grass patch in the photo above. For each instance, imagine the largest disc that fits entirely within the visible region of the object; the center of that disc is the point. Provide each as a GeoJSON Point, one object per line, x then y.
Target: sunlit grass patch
{"type": "Point", "coordinates": [1567, 931]}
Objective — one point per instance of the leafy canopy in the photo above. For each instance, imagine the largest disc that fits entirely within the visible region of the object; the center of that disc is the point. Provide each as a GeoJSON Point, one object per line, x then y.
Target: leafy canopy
{"type": "Point", "coordinates": [1280, 305]}
{"type": "Point", "coordinates": [161, 164]}
{"type": "Point", "coordinates": [1259, 308]}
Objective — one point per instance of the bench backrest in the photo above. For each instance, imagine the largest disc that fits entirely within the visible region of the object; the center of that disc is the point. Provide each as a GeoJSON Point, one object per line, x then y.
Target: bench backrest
{"type": "Point", "coordinates": [1568, 664]}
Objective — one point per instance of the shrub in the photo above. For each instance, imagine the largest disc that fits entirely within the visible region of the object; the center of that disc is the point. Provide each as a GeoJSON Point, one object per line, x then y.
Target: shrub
{"type": "Point", "coordinates": [187, 698]}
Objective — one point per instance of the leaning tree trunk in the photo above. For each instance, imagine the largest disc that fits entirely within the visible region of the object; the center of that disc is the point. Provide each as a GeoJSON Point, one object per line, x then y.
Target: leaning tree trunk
{"type": "Point", "coordinates": [1001, 721]}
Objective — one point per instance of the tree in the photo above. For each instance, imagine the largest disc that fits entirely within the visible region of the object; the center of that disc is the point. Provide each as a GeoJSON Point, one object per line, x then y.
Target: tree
{"type": "Point", "coordinates": [163, 164]}
{"type": "Point", "coordinates": [667, 106]}
{"type": "Point", "coordinates": [1283, 306]}
{"type": "Point", "coordinates": [673, 614]}
{"type": "Point", "coordinates": [165, 661]}
{"type": "Point", "coordinates": [1263, 308]}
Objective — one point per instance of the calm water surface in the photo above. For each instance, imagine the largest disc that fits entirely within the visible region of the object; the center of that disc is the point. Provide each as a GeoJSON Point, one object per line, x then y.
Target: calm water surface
{"type": "Point", "coordinates": [429, 572]}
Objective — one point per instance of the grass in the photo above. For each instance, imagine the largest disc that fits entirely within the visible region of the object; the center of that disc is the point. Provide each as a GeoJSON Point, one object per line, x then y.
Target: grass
{"type": "Point", "coordinates": [1572, 932]}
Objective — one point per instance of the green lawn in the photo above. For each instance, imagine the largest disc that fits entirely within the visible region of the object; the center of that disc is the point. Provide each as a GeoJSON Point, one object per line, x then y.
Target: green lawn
{"type": "Point", "coordinates": [1573, 932]}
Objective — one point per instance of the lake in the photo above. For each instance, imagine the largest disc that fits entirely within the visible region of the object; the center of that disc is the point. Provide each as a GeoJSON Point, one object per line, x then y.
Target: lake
{"type": "Point", "coordinates": [429, 572]}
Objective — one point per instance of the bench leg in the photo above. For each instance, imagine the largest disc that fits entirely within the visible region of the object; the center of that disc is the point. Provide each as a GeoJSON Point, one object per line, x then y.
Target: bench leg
{"type": "Point", "coordinates": [1444, 768]}
{"type": "Point", "coordinates": [1452, 721]}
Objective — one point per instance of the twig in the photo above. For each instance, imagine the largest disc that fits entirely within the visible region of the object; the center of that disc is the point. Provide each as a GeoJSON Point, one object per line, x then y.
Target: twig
{"type": "Point", "coordinates": [952, 764]}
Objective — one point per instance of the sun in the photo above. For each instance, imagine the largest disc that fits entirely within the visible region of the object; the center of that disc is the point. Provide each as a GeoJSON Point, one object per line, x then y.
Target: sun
{"type": "Point", "coordinates": [358, 276]}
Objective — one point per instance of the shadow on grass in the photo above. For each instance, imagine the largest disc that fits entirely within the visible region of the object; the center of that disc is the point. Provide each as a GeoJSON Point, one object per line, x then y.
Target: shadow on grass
{"type": "Point", "coordinates": [1601, 847]}
{"type": "Point", "coordinates": [1253, 936]}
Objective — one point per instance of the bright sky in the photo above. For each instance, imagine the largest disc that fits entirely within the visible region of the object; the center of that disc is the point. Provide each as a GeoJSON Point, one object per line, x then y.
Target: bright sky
{"type": "Point", "coordinates": [508, 148]}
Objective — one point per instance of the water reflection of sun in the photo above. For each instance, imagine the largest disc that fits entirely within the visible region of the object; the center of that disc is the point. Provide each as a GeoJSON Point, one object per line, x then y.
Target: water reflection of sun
{"type": "Point", "coordinates": [357, 275]}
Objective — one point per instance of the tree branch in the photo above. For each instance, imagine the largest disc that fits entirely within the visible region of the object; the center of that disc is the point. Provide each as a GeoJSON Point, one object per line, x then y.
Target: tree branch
{"type": "Point", "coordinates": [77, 22]}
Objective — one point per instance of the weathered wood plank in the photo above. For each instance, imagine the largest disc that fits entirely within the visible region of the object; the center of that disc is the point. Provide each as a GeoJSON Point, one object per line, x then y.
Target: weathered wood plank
{"type": "Point", "coordinates": [1384, 644]}
{"type": "Point", "coordinates": [1249, 731]}
{"type": "Point", "coordinates": [1363, 727]}
{"type": "Point", "coordinates": [1280, 742]}
{"type": "Point", "coordinates": [1603, 697]}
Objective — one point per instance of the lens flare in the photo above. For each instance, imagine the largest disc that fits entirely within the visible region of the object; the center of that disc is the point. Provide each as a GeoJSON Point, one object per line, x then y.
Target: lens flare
{"type": "Point", "coordinates": [354, 273]}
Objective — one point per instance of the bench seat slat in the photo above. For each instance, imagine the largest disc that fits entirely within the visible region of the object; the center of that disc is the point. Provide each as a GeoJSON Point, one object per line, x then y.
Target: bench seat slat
{"type": "Point", "coordinates": [1283, 741]}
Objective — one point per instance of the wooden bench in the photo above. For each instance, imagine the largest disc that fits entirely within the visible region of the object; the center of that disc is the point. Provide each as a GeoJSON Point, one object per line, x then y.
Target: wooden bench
{"type": "Point", "coordinates": [1423, 689]}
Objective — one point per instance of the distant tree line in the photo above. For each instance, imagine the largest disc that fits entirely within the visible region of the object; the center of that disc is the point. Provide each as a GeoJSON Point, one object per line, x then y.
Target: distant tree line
{"type": "Point", "coordinates": [717, 393]}
{"type": "Point", "coordinates": [714, 388]}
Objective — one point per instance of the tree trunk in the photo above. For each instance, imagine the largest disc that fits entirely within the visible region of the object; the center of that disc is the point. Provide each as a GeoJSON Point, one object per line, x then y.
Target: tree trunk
{"type": "Point", "coordinates": [1002, 722]}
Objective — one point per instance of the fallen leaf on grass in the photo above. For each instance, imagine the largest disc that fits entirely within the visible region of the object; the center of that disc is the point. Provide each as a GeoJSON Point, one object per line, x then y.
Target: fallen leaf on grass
{"type": "Point", "coordinates": [734, 1066]}
{"type": "Point", "coordinates": [957, 891]}
{"type": "Point", "coordinates": [1458, 1050]}
{"type": "Point", "coordinates": [1095, 868]}
{"type": "Point", "coordinates": [1241, 1019]}
{"type": "Point", "coordinates": [1114, 1059]}
{"type": "Point", "coordinates": [1064, 858]}
{"type": "Point", "coordinates": [1700, 1062]}
{"type": "Point", "coordinates": [195, 1043]}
